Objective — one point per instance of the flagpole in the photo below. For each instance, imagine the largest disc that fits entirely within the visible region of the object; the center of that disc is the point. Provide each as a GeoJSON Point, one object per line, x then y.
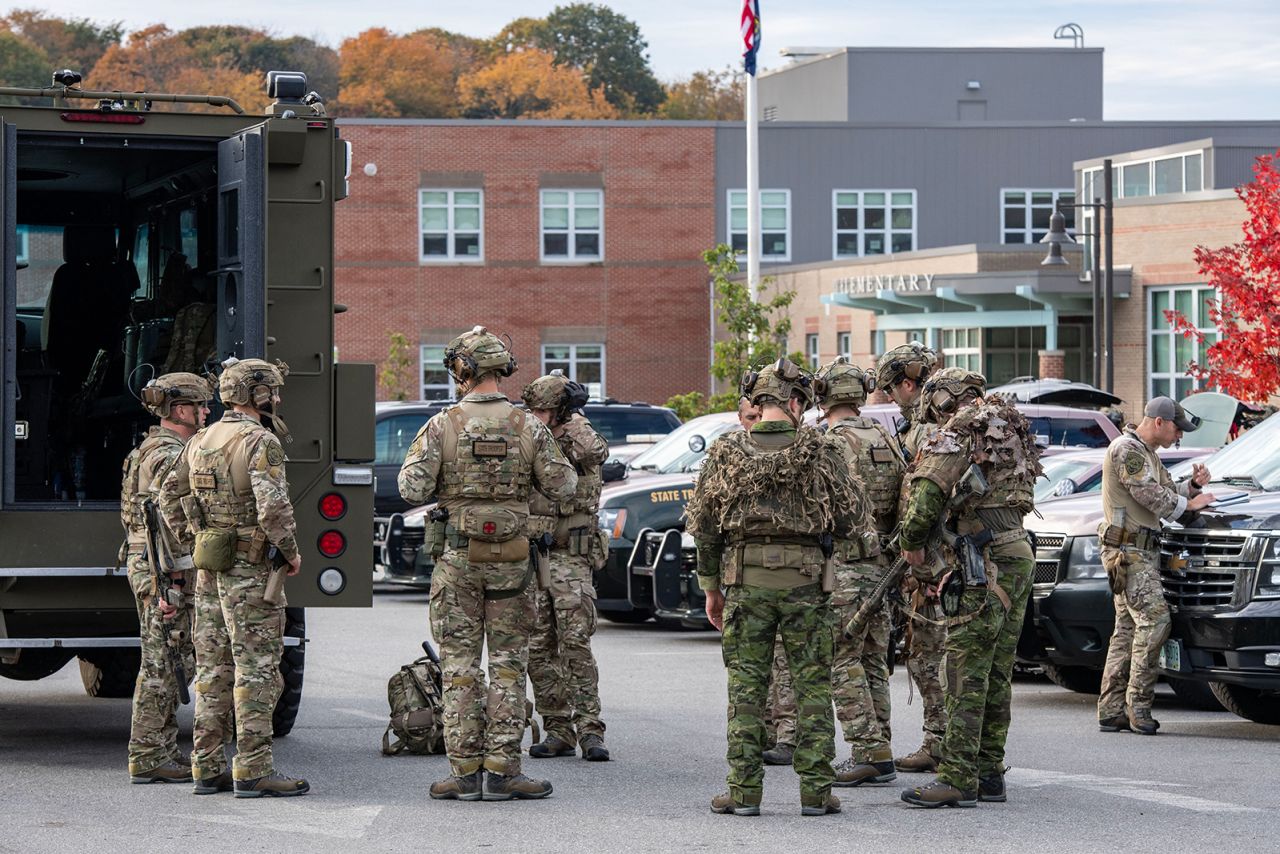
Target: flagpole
{"type": "Point", "coordinates": [753, 190]}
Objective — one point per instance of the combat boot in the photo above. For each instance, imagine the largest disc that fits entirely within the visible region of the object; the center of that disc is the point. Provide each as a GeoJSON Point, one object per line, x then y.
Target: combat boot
{"type": "Point", "coordinates": [464, 787]}
{"type": "Point", "coordinates": [271, 786]}
{"type": "Point", "coordinates": [921, 762]}
{"type": "Point", "coordinates": [780, 754]}
{"type": "Point", "coordinates": [552, 745]}
{"type": "Point", "coordinates": [593, 749]}
{"type": "Point", "coordinates": [991, 788]}
{"type": "Point", "coordinates": [212, 785]}
{"type": "Point", "coordinates": [821, 807]}
{"type": "Point", "coordinates": [1115, 723]}
{"type": "Point", "coordinates": [726, 805]}
{"type": "Point", "coordinates": [505, 787]}
{"type": "Point", "coordinates": [850, 773]}
{"type": "Point", "coordinates": [1142, 722]}
{"type": "Point", "coordinates": [169, 772]}
{"type": "Point", "coordinates": [939, 794]}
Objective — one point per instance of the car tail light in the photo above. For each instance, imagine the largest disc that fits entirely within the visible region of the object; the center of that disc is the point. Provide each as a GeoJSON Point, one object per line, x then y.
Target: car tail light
{"type": "Point", "coordinates": [333, 506]}
{"type": "Point", "coordinates": [332, 544]}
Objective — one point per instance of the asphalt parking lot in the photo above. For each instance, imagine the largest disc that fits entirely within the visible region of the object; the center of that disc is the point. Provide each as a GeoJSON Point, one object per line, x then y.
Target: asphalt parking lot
{"type": "Point", "coordinates": [1207, 782]}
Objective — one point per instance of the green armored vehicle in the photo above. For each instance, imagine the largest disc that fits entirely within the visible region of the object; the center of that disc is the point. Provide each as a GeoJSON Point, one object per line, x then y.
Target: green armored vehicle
{"type": "Point", "coordinates": [142, 236]}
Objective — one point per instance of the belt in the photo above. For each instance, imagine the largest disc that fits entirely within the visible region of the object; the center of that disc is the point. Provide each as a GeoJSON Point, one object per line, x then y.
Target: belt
{"type": "Point", "coordinates": [776, 540]}
{"type": "Point", "coordinates": [1146, 539]}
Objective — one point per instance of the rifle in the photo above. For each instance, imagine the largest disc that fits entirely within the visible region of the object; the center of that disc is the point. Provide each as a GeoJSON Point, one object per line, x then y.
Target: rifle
{"type": "Point", "coordinates": [891, 579]}
{"type": "Point", "coordinates": [275, 584]}
{"type": "Point", "coordinates": [167, 591]}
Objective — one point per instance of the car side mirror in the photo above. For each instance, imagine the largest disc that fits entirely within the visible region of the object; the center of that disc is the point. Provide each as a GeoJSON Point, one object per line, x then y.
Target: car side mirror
{"type": "Point", "coordinates": [613, 470]}
{"type": "Point", "coordinates": [697, 444]}
{"type": "Point", "coordinates": [1066, 486]}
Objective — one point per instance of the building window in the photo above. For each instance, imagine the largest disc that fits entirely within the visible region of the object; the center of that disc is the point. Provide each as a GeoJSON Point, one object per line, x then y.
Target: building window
{"type": "Point", "coordinates": [1159, 176]}
{"type": "Point", "coordinates": [452, 224]}
{"type": "Point", "coordinates": [1024, 214]}
{"type": "Point", "coordinates": [811, 350]}
{"type": "Point", "coordinates": [437, 384]}
{"type": "Point", "coordinates": [572, 225]}
{"type": "Point", "coordinates": [583, 363]}
{"type": "Point", "coordinates": [962, 348]}
{"type": "Point", "coordinates": [873, 222]}
{"type": "Point", "coordinates": [23, 249]}
{"type": "Point", "coordinates": [844, 345]}
{"type": "Point", "coordinates": [1169, 352]}
{"type": "Point", "coordinates": [775, 224]}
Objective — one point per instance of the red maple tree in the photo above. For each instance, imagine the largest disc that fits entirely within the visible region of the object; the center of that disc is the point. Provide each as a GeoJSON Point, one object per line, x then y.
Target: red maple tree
{"type": "Point", "coordinates": [1245, 361]}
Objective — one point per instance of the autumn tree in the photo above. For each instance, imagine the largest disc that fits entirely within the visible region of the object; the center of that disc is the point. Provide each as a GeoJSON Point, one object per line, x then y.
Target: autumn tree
{"type": "Point", "coordinates": [528, 84]}
{"type": "Point", "coordinates": [1245, 360]}
{"type": "Point", "coordinates": [609, 50]}
{"type": "Point", "coordinates": [706, 95]}
{"type": "Point", "coordinates": [384, 74]}
{"type": "Point", "coordinates": [255, 52]}
{"type": "Point", "coordinates": [75, 43]}
{"type": "Point", "coordinates": [22, 63]}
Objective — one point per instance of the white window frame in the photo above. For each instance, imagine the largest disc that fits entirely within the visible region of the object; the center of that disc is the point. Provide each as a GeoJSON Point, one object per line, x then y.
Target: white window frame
{"type": "Point", "coordinates": [730, 231]}
{"type": "Point", "coordinates": [1170, 374]}
{"type": "Point", "coordinates": [437, 358]}
{"type": "Point", "coordinates": [1028, 232]}
{"type": "Point", "coordinates": [889, 231]}
{"type": "Point", "coordinates": [572, 256]}
{"type": "Point", "coordinates": [574, 360]}
{"type": "Point", "coordinates": [450, 257]}
{"type": "Point", "coordinates": [844, 345]}
{"type": "Point", "coordinates": [812, 351]}
{"type": "Point", "coordinates": [23, 249]}
{"type": "Point", "coordinates": [972, 355]}
{"type": "Point", "coordinates": [1118, 167]}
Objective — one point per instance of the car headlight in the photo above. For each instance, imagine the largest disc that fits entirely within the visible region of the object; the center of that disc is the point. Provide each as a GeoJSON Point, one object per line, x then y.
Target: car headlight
{"type": "Point", "coordinates": [1085, 560]}
{"type": "Point", "coordinates": [612, 520]}
{"type": "Point", "coordinates": [417, 520]}
{"type": "Point", "coordinates": [1269, 570]}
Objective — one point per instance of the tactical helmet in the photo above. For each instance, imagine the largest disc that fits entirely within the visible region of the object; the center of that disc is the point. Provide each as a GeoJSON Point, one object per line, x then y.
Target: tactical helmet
{"type": "Point", "coordinates": [473, 354]}
{"type": "Point", "coordinates": [555, 391]}
{"type": "Point", "coordinates": [946, 390]}
{"type": "Point", "coordinates": [250, 382]}
{"type": "Point", "coordinates": [911, 361]}
{"type": "Point", "coordinates": [164, 391]}
{"type": "Point", "coordinates": [777, 383]}
{"type": "Point", "coordinates": [842, 383]}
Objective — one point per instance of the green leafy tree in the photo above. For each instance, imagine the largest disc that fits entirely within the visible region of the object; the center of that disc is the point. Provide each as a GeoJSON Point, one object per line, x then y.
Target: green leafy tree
{"type": "Point", "coordinates": [609, 50]}
{"type": "Point", "coordinates": [396, 376]}
{"type": "Point", "coordinates": [22, 63]}
{"type": "Point", "coordinates": [755, 330]}
{"type": "Point", "coordinates": [706, 95]}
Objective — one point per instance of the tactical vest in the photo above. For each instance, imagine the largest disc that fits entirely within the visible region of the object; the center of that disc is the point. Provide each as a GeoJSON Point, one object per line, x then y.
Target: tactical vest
{"type": "Point", "coordinates": [218, 459]}
{"type": "Point", "coordinates": [879, 463]}
{"type": "Point", "coordinates": [139, 484]}
{"type": "Point", "coordinates": [1011, 471]}
{"type": "Point", "coordinates": [482, 457]}
{"type": "Point", "coordinates": [754, 512]}
{"type": "Point", "coordinates": [1116, 496]}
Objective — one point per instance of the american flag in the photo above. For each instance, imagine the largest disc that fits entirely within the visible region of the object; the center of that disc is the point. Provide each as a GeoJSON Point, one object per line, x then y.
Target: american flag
{"type": "Point", "coordinates": [750, 34]}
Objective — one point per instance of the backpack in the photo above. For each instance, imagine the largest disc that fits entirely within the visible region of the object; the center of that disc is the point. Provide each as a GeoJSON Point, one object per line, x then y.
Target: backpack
{"type": "Point", "coordinates": [417, 712]}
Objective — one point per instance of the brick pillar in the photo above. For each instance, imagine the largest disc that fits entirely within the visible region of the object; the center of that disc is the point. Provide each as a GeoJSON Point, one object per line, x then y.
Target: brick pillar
{"type": "Point", "coordinates": [1053, 365]}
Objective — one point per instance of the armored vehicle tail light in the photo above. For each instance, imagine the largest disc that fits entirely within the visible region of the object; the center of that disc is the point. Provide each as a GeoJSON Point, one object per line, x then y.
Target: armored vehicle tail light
{"type": "Point", "coordinates": [104, 118]}
{"type": "Point", "coordinates": [332, 581]}
{"type": "Point", "coordinates": [333, 506]}
{"type": "Point", "coordinates": [332, 544]}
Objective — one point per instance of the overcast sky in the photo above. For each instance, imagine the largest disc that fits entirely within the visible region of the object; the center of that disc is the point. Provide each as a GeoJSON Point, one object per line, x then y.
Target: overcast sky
{"type": "Point", "coordinates": [1185, 59]}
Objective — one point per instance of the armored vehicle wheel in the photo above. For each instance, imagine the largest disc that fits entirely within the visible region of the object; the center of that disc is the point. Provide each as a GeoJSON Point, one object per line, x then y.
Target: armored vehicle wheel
{"type": "Point", "coordinates": [111, 672]}
{"type": "Point", "coordinates": [292, 664]}
{"type": "Point", "coordinates": [1082, 680]}
{"type": "Point", "coordinates": [1196, 694]}
{"type": "Point", "coordinates": [637, 616]}
{"type": "Point", "coordinates": [1251, 703]}
{"type": "Point", "coordinates": [32, 664]}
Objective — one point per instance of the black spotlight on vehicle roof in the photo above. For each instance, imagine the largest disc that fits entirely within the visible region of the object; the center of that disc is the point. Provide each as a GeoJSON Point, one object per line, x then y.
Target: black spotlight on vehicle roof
{"type": "Point", "coordinates": [288, 87]}
{"type": "Point", "coordinates": [67, 77]}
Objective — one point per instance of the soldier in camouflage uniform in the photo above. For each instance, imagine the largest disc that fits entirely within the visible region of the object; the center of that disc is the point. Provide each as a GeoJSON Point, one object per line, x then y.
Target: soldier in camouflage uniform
{"type": "Point", "coordinates": [860, 674]}
{"type": "Point", "coordinates": [1137, 493]}
{"type": "Point", "coordinates": [229, 493]}
{"type": "Point", "coordinates": [181, 402]}
{"type": "Point", "coordinates": [561, 667]}
{"type": "Point", "coordinates": [481, 458]}
{"type": "Point", "coordinates": [992, 439]}
{"type": "Point", "coordinates": [765, 504]}
{"type": "Point", "coordinates": [901, 372]}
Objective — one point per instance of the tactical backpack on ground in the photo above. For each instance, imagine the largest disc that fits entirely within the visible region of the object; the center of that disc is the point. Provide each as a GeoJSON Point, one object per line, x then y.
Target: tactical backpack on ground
{"type": "Point", "coordinates": [417, 708]}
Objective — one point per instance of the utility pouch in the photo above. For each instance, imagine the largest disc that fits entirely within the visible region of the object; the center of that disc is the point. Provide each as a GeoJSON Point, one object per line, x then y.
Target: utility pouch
{"type": "Point", "coordinates": [257, 546]}
{"type": "Point", "coordinates": [491, 525]}
{"type": "Point", "coordinates": [508, 551]}
{"type": "Point", "coordinates": [434, 538]}
{"type": "Point", "coordinates": [1116, 565]}
{"type": "Point", "coordinates": [580, 542]}
{"type": "Point", "coordinates": [215, 549]}
{"type": "Point", "coordinates": [599, 551]}
{"type": "Point", "coordinates": [1114, 536]}
{"type": "Point", "coordinates": [731, 566]}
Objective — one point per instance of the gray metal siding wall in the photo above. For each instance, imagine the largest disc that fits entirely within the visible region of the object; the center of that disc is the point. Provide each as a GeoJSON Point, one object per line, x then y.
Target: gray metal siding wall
{"type": "Point", "coordinates": [812, 92]}
{"type": "Point", "coordinates": [1233, 165]}
{"type": "Point", "coordinates": [957, 171]}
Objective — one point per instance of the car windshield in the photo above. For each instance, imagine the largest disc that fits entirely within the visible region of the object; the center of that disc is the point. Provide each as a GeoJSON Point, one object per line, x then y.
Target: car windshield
{"type": "Point", "coordinates": [616, 423]}
{"type": "Point", "coordinates": [673, 454]}
{"type": "Point", "coordinates": [1254, 457]}
{"type": "Point", "coordinates": [1057, 470]}
{"type": "Point", "coordinates": [1070, 432]}
{"type": "Point", "coordinates": [393, 435]}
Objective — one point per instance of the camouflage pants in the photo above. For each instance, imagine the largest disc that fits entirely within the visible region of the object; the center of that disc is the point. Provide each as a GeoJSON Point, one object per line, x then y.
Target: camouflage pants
{"type": "Point", "coordinates": [561, 667]}
{"type": "Point", "coordinates": [977, 672]}
{"type": "Point", "coordinates": [860, 670]}
{"type": "Point", "coordinates": [753, 619]}
{"type": "Point", "coordinates": [926, 645]}
{"type": "Point", "coordinates": [1142, 627]}
{"type": "Point", "coordinates": [780, 713]}
{"type": "Point", "coordinates": [484, 721]}
{"type": "Point", "coordinates": [153, 731]}
{"type": "Point", "coordinates": [239, 640]}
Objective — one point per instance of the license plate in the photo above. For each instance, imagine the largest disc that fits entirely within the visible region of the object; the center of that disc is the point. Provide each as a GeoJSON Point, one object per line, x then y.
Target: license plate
{"type": "Point", "coordinates": [1171, 656]}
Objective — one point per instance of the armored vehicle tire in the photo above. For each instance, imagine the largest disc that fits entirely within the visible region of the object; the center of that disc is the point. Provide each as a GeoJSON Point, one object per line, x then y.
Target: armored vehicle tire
{"type": "Point", "coordinates": [35, 664]}
{"type": "Point", "coordinates": [1259, 706]}
{"type": "Point", "coordinates": [292, 663]}
{"type": "Point", "coordinates": [1196, 694]}
{"type": "Point", "coordinates": [637, 616]}
{"type": "Point", "coordinates": [111, 672]}
{"type": "Point", "coordinates": [1082, 680]}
